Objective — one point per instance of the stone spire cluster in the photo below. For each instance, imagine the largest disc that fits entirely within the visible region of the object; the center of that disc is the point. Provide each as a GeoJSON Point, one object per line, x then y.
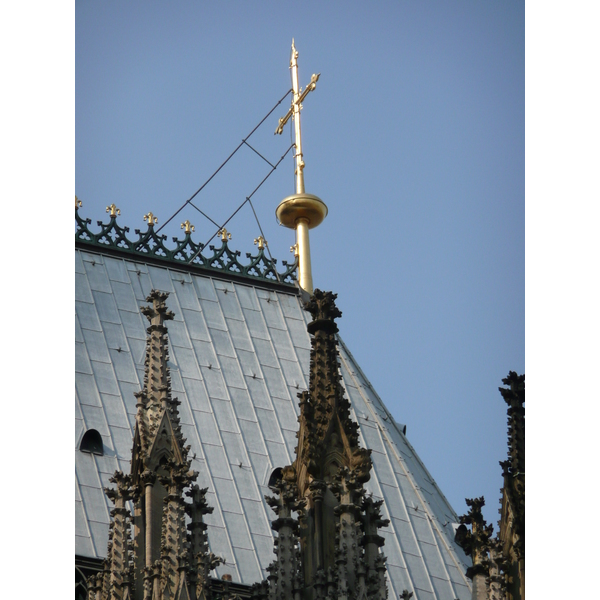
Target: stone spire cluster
{"type": "Point", "coordinates": [328, 543]}
{"type": "Point", "coordinates": [498, 570]}
{"type": "Point", "coordinates": [167, 559]}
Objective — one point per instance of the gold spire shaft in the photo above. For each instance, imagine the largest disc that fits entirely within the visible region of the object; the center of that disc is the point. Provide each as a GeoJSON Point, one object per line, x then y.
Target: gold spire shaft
{"type": "Point", "coordinates": [304, 266]}
{"type": "Point", "coordinates": [297, 128]}
{"type": "Point", "coordinates": [300, 211]}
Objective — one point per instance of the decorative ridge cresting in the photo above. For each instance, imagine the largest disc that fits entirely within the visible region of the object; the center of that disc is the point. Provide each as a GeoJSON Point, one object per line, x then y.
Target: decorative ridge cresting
{"type": "Point", "coordinates": [152, 244]}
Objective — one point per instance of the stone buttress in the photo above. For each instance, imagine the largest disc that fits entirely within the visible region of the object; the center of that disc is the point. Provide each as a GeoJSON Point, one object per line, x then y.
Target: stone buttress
{"type": "Point", "coordinates": [166, 559]}
{"type": "Point", "coordinates": [328, 543]}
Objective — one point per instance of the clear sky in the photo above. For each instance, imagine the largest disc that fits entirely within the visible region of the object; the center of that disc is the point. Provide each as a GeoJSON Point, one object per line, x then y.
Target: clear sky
{"type": "Point", "coordinates": [414, 138]}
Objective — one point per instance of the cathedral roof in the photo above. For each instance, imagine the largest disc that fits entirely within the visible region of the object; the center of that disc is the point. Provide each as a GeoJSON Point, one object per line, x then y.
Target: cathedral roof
{"type": "Point", "coordinates": [238, 357]}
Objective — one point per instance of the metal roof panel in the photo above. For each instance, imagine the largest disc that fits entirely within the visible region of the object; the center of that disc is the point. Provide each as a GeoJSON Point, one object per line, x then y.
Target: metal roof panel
{"type": "Point", "coordinates": [116, 270]}
{"type": "Point", "coordinates": [160, 278]}
{"type": "Point", "coordinates": [96, 274]}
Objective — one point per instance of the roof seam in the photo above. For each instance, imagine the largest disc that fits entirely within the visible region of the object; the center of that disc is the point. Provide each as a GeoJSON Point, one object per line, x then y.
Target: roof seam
{"type": "Point", "coordinates": [207, 474]}
{"type": "Point", "coordinates": [387, 510]}
{"type": "Point", "coordinates": [427, 508]}
{"type": "Point", "coordinates": [383, 434]}
{"type": "Point", "coordinates": [87, 519]}
{"type": "Point", "coordinates": [239, 431]}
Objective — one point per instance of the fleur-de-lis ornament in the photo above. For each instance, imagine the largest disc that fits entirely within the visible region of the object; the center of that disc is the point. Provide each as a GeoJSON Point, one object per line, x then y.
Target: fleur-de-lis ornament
{"type": "Point", "coordinates": [225, 235]}
{"type": "Point", "coordinates": [113, 210]}
{"type": "Point", "coordinates": [77, 202]}
{"type": "Point", "coordinates": [294, 249]}
{"type": "Point", "coordinates": [260, 240]}
{"type": "Point", "coordinates": [188, 227]}
{"type": "Point", "coordinates": [151, 219]}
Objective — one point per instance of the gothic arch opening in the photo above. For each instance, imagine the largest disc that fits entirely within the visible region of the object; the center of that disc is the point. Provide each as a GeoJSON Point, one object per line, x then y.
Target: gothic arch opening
{"type": "Point", "coordinates": [275, 475]}
{"type": "Point", "coordinates": [91, 442]}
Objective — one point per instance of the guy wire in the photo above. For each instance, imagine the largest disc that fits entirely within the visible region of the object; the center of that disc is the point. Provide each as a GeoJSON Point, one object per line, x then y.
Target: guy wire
{"type": "Point", "coordinates": [240, 206]}
{"type": "Point", "coordinates": [222, 165]}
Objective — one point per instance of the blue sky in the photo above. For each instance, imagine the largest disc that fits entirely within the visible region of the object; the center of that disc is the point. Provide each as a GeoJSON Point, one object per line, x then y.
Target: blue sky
{"type": "Point", "coordinates": [415, 140]}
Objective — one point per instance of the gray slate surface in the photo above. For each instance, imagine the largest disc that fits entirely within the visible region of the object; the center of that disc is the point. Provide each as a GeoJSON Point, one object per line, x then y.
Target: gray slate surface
{"type": "Point", "coordinates": [239, 355]}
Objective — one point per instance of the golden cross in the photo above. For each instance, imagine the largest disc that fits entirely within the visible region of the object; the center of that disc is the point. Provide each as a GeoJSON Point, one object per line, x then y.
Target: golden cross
{"type": "Point", "coordinates": [297, 98]}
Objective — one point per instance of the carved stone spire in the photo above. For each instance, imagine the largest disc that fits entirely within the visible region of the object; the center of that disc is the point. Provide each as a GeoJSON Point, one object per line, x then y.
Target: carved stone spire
{"type": "Point", "coordinates": [339, 545]}
{"type": "Point", "coordinates": [285, 574]}
{"type": "Point", "coordinates": [476, 544]}
{"type": "Point", "coordinates": [498, 570]}
{"type": "Point", "coordinates": [119, 553]}
{"type": "Point", "coordinates": [328, 437]}
{"type": "Point", "coordinates": [170, 560]}
{"type": "Point", "coordinates": [512, 522]}
{"type": "Point", "coordinates": [156, 394]}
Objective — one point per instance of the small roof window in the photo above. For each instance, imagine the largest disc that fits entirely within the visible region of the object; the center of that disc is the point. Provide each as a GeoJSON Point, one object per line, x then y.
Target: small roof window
{"type": "Point", "coordinates": [91, 442]}
{"type": "Point", "coordinates": [275, 477]}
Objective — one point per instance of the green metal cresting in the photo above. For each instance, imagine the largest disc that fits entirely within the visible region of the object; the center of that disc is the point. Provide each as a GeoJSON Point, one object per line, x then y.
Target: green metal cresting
{"type": "Point", "coordinates": [151, 244]}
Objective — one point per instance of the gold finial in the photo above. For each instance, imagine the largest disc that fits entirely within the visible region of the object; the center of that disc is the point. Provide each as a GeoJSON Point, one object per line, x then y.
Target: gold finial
{"type": "Point", "coordinates": [188, 227]}
{"type": "Point", "coordinates": [77, 202]}
{"type": "Point", "coordinates": [113, 210]}
{"type": "Point", "coordinates": [225, 235]}
{"type": "Point", "coordinates": [300, 211]}
{"type": "Point", "coordinates": [151, 219]}
{"type": "Point", "coordinates": [260, 240]}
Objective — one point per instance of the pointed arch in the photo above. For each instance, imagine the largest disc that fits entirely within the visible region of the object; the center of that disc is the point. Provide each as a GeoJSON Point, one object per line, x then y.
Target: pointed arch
{"type": "Point", "coordinates": [91, 442]}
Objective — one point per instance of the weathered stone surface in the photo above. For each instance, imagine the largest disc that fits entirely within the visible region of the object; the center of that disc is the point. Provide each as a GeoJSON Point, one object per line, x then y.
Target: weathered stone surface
{"type": "Point", "coordinates": [333, 549]}
{"type": "Point", "coordinates": [498, 570]}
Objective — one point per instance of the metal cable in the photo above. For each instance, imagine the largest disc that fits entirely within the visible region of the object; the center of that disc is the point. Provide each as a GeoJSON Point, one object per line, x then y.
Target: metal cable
{"type": "Point", "coordinates": [242, 204]}
{"type": "Point", "coordinates": [223, 164]}
{"type": "Point", "coordinates": [204, 214]}
{"type": "Point", "coordinates": [263, 236]}
{"type": "Point", "coordinates": [259, 154]}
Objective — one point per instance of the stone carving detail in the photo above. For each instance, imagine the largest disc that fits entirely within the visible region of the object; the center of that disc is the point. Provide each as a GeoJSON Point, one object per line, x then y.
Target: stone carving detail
{"type": "Point", "coordinates": [168, 559]}
{"type": "Point", "coordinates": [332, 549]}
{"type": "Point", "coordinates": [475, 543]}
{"type": "Point", "coordinates": [498, 570]}
{"type": "Point", "coordinates": [327, 544]}
{"type": "Point", "coordinates": [511, 536]}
